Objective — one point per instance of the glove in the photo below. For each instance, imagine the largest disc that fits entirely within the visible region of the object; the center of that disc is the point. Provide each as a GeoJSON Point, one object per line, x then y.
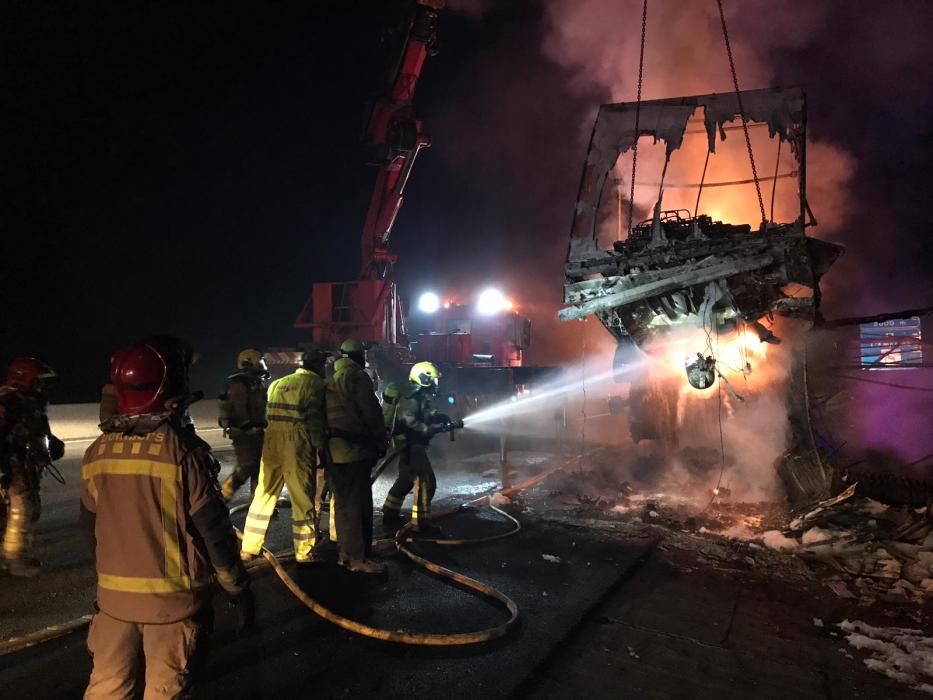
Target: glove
{"type": "Point", "coordinates": [56, 448]}
{"type": "Point", "coordinates": [244, 607]}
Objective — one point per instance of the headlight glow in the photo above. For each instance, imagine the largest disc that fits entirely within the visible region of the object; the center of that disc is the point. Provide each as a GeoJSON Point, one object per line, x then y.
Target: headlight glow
{"type": "Point", "coordinates": [491, 301]}
{"type": "Point", "coordinates": [429, 302]}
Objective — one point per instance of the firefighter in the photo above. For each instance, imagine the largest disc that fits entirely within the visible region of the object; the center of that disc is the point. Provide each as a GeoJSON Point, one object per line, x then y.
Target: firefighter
{"type": "Point", "coordinates": [158, 529]}
{"type": "Point", "coordinates": [412, 422]}
{"type": "Point", "coordinates": [243, 418]}
{"type": "Point", "coordinates": [27, 447]}
{"type": "Point", "coordinates": [293, 440]}
{"type": "Point", "coordinates": [356, 440]}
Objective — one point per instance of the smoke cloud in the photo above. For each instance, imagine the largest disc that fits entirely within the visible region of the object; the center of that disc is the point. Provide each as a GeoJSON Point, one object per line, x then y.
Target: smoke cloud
{"type": "Point", "coordinates": [546, 66]}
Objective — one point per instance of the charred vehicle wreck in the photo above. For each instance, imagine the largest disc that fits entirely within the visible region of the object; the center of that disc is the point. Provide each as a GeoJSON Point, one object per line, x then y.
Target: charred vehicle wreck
{"type": "Point", "coordinates": [685, 271]}
{"type": "Point", "coordinates": [677, 268]}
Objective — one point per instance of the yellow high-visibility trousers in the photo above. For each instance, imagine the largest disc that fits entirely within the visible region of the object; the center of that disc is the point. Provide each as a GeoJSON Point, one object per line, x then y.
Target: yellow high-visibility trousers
{"type": "Point", "coordinates": [287, 460]}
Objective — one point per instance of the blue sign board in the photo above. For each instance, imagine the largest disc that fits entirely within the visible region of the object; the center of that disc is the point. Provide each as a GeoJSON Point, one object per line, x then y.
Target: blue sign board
{"type": "Point", "coordinates": [891, 344]}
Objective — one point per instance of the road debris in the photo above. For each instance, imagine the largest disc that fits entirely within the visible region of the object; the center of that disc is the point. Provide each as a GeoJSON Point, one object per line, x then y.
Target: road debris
{"type": "Point", "coordinates": [551, 558]}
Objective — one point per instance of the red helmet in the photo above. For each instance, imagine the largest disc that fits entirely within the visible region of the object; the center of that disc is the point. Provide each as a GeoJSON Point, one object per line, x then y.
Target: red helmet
{"type": "Point", "coordinates": [24, 372]}
{"type": "Point", "coordinates": [149, 373]}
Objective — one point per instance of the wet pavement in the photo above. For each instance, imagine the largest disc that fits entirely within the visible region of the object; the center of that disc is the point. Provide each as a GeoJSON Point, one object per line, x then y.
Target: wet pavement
{"type": "Point", "coordinates": [607, 610]}
{"type": "Point", "coordinates": [292, 653]}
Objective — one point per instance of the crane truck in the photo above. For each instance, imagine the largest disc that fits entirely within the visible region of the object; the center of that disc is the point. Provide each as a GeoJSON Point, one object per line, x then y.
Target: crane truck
{"type": "Point", "coordinates": [478, 347]}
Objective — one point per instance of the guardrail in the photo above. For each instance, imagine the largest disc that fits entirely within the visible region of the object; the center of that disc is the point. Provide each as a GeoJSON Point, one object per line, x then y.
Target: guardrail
{"type": "Point", "coordinates": [74, 422]}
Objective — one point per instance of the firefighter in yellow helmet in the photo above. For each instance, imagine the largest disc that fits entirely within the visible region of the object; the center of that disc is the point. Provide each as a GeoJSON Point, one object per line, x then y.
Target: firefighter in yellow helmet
{"type": "Point", "coordinates": [158, 530]}
{"type": "Point", "coordinates": [412, 422]}
{"type": "Point", "coordinates": [290, 454]}
{"type": "Point", "coordinates": [243, 417]}
{"type": "Point", "coordinates": [357, 439]}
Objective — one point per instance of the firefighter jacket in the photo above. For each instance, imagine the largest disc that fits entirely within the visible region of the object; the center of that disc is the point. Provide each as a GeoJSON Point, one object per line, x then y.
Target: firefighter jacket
{"type": "Point", "coordinates": [243, 404]}
{"type": "Point", "coordinates": [25, 435]}
{"type": "Point", "coordinates": [354, 419]}
{"type": "Point", "coordinates": [296, 403]}
{"type": "Point", "coordinates": [412, 419]}
{"type": "Point", "coordinates": [157, 526]}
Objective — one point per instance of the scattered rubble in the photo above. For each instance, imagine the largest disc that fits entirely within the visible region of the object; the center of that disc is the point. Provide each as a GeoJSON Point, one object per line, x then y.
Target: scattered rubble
{"type": "Point", "coordinates": [883, 551]}
{"type": "Point", "coordinates": [859, 548]}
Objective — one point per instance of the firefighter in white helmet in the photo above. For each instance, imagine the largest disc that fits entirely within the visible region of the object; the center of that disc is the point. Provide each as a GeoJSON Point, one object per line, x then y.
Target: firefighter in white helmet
{"type": "Point", "coordinates": [413, 422]}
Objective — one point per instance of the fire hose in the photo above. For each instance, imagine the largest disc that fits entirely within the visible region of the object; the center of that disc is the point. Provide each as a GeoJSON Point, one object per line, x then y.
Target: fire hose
{"type": "Point", "coordinates": [401, 540]}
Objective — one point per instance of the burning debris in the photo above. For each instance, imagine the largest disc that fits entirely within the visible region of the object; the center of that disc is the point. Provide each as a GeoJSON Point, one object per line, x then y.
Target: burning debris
{"type": "Point", "coordinates": [679, 269]}
{"type": "Point", "coordinates": [699, 296]}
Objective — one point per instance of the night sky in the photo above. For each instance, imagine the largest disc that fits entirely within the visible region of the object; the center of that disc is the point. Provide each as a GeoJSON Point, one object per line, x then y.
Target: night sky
{"type": "Point", "coordinates": [193, 170]}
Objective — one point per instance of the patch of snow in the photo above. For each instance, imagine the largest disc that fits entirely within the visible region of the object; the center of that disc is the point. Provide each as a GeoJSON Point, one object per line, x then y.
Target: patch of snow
{"type": "Point", "coordinates": [738, 531]}
{"type": "Point", "coordinates": [774, 539]}
{"type": "Point", "coordinates": [817, 534]}
{"type": "Point", "coordinates": [902, 654]}
{"type": "Point", "coordinates": [498, 499]}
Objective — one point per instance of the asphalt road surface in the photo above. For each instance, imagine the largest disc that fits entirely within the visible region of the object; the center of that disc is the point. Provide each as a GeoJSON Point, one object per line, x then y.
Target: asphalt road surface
{"type": "Point", "coordinates": [65, 589]}
{"type": "Point", "coordinates": [603, 614]}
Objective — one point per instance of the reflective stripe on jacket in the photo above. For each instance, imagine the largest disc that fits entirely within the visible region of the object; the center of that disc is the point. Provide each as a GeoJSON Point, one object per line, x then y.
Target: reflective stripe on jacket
{"type": "Point", "coordinates": [353, 415]}
{"type": "Point", "coordinates": [296, 401]}
{"type": "Point", "coordinates": [144, 490]}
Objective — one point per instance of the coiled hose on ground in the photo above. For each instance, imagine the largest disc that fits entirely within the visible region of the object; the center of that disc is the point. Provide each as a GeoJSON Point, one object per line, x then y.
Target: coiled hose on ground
{"type": "Point", "coordinates": [402, 539]}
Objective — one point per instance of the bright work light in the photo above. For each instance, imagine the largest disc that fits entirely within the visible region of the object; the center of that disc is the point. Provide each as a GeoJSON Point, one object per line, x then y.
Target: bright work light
{"type": "Point", "coordinates": [491, 301]}
{"type": "Point", "coordinates": [429, 302]}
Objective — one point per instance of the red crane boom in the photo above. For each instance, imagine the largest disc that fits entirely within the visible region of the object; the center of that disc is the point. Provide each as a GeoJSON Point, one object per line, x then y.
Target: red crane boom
{"type": "Point", "coordinates": [369, 308]}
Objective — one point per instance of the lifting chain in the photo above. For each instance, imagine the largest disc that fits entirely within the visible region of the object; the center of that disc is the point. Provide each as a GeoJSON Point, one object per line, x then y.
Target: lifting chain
{"type": "Point", "coordinates": [641, 68]}
{"type": "Point", "coordinates": [738, 97]}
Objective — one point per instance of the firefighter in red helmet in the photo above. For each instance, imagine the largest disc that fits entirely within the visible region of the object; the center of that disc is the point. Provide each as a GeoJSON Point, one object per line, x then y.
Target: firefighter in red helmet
{"type": "Point", "coordinates": [27, 447]}
{"type": "Point", "coordinates": [158, 528]}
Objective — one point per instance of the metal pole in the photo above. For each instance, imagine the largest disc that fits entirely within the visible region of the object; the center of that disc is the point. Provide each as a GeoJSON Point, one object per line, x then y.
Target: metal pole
{"type": "Point", "coordinates": [504, 457]}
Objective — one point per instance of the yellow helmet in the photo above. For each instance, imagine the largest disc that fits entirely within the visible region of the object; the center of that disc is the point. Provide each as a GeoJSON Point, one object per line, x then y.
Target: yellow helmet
{"type": "Point", "coordinates": [251, 358]}
{"type": "Point", "coordinates": [352, 345]}
{"type": "Point", "coordinates": [425, 375]}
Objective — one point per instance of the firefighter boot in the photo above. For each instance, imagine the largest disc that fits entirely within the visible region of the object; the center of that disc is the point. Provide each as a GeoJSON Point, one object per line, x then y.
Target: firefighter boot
{"type": "Point", "coordinates": [363, 566]}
